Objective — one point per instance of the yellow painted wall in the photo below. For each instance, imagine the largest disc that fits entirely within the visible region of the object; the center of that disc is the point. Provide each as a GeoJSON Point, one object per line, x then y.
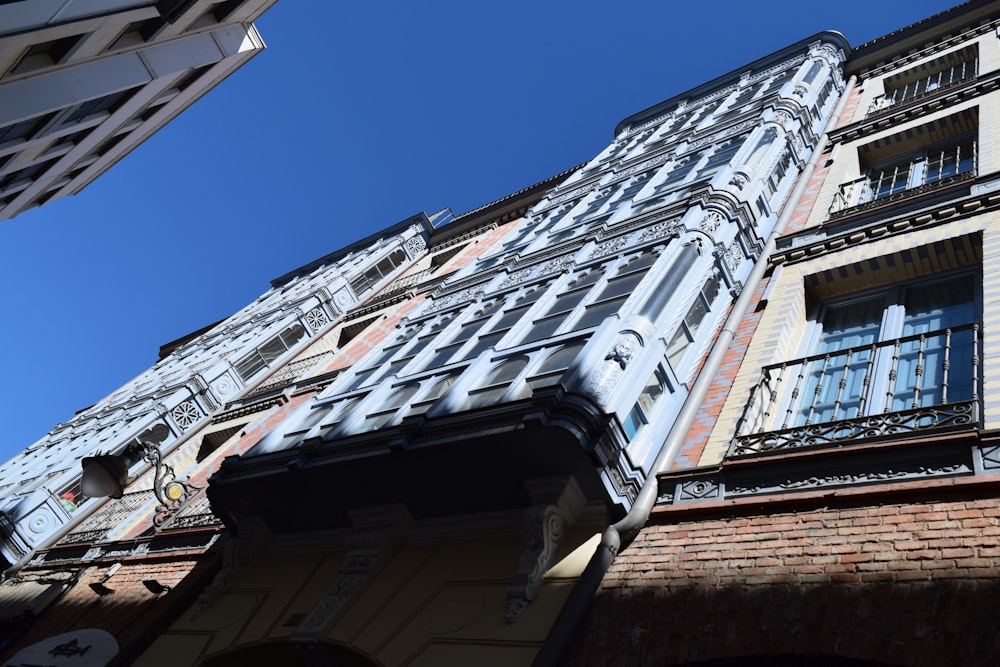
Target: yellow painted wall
{"type": "Point", "coordinates": [440, 603]}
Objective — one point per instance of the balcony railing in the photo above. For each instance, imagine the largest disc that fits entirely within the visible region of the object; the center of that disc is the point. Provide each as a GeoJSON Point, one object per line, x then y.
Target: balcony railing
{"type": "Point", "coordinates": [923, 382]}
{"type": "Point", "coordinates": [907, 180]}
{"type": "Point", "coordinates": [926, 86]}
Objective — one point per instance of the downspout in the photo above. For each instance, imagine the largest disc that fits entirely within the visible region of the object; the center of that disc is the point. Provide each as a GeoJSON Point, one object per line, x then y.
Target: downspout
{"type": "Point", "coordinates": [563, 631]}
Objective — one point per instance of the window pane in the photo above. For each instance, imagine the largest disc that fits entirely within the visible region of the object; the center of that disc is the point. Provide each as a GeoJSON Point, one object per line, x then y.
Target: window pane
{"type": "Point", "coordinates": [932, 308]}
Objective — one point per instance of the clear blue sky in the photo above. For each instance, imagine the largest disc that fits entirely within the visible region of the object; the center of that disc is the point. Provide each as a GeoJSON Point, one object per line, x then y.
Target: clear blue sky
{"type": "Point", "coordinates": [357, 115]}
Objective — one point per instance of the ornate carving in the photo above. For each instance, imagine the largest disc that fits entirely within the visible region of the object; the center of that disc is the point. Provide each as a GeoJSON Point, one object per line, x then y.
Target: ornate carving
{"type": "Point", "coordinates": [738, 181]}
{"type": "Point", "coordinates": [238, 554]}
{"type": "Point", "coordinates": [43, 520]}
{"type": "Point", "coordinates": [186, 414]}
{"type": "Point", "coordinates": [860, 477]}
{"type": "Point", "coordinates": [799, 90]}
{"type": "Point", "coordinates": [624, 349]}
{"type": "Point", "coordinates": [699, 489]}
{"type": "Point", "coordinates": [555, 265]}
{"type": "Point", "coordinates": [783, 118]}
{"type": "Point", "coordinates": [733, 255]}
{"type": "Point", "coordinates": [316, 319]}
{"type": "Point", "coordinates": [368, 546]}
{"type": "Point", "coordinates": [454, 299]}
{"type": "Point", "coordinates": [353, 573]}
{"type": "Point", "coordinates": [609, 247]}
{"type": "Point", "coordinates": [871, 426]}
{"type": "Point", "coordinates": [711, 221]}
{"type": "Point", "coordinates": [415, 245]}
{"type": "Point", "coordinates": [662, 229]}
{"type": "Point", "coordinates": [645, 164]}
{"type": "Point", "coordinates": [544, 526]}
{"type": "Point", "coordinates": [516, 278]}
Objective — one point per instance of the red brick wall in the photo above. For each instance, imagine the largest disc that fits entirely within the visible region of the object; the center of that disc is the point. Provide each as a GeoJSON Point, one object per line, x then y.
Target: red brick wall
{"type": "Point", "coordinates": [133, 614]}
{"type": "Point", "coordinates": [905, 583]}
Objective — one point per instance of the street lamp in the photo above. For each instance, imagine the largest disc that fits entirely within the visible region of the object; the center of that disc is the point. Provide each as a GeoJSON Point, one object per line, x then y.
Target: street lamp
{"type": "Point", "coordinates": [106, 476]}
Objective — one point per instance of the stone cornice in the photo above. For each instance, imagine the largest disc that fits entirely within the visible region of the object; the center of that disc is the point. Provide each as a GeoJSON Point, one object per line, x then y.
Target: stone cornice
{"type": "Point", "coordinates": [800, 247]}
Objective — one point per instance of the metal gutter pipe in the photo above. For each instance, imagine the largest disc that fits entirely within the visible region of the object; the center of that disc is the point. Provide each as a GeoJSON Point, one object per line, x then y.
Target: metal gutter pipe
{"type": "Point", "coordinates": [560, 638]}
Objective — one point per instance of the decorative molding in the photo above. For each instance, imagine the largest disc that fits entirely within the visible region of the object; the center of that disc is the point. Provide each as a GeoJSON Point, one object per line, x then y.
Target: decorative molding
{"type": "Point", "coordinates": [316, 319]}
{"type": "Point", "coordinates": [610, 247]}
{"type": "Point", "coordinates": [624, 349]}
{"type": "Point", "coordinates": [711, 221]}
{"type": "Point", "coordinates": [558, 502]}
{"type": "Point", "coordinates": [238, 554]}
{"type": "Point", "coordinates": [375, 537]}
{"type": "Point", "coordinates": [415, 245]}
{"type": "Point", "coordinates": [544, 526]}
{"type": "Point", "coordinates": [666, 228]}
{"type": "Point", "coordinates": [186, 414]}
{"type": "Point", "coordinates": [604, 377]}
{"type": "Point", "coordinates": [829, 434]}
{"type": "Point", "coordinates": [516, 278]}
{"type": "Point", "coordinates": [850, 478]}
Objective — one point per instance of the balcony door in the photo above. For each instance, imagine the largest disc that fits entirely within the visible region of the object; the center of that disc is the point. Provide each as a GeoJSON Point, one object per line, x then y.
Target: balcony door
{"type": "Point", "coordinates": [904, 347]}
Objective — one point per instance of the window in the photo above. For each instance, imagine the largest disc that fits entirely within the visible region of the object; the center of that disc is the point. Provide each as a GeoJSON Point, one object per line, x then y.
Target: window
{"type": "Point", "coordinates": [25, 129]}
{"type": "Point", "coordinates": [944, 72]}
{"type": "Point", "coordinates": [26, 175]}
{"type": "Point", "coordinates": [678, 172]}
{"type": "Point", "coordinates": [563, 306]}
{"type": "Point", "coordinates": [565, 313]}
{"type": "Point", "coordinates": [263, 356]}
{"type": "Point", "coordinates": [928, 166]}
{"type": "Point", "coordinates": [641, 413]}
{"type": "Point", "coordinates": [387, 410]}
{"type": "Point", "coordinates": [551, 369]}
{"type": "Point", "coordinates": [46, 54]}
{"type": "Point", "coordinates": [375, 274]}
{"type": "Point", "coordinates": [693, 319]}
{"type": "Point", "coordinates": [496, 383]}
{"type": "Point", "coordinates": [773, 182]}
{"type": "Point", "coordinates": [721, 158]}
{"type": "Point", "coordinates": [738, 104]}
{"type": "Point", "coordinates": [909, 162]}
{"type": "Point", "coordinates": [904, 347]}
{"type": "Point", "coordinates": [105, 104]}
{"type": "Point", "coordinates": [482, 332]}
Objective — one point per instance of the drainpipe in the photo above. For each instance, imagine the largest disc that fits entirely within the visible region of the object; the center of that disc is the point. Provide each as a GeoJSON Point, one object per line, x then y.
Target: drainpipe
{"type": "Point", "coordinates": [563, 631]}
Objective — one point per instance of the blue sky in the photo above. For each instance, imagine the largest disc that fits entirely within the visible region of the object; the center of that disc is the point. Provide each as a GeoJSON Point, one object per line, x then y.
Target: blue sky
{"type": "Point", "coordinates": [356, 116]}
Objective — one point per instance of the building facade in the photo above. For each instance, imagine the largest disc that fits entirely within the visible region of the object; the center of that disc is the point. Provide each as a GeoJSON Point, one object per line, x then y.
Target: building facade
{"type": "Point", "coordinates": [431, 424]}
{"type": "Point", "coordinates": [719, 395]}
{"type": "Point", "coordinates": [82, 83]}
{"type": "Point", "coordinates": [838, 502]}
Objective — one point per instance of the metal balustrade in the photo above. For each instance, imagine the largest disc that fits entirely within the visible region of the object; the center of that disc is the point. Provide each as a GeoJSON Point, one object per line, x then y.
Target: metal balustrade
{"type": "Point", "coordinates": [927, 381]}
{"type": "Point", "coordinates": [929, 85]}
{"type": "Point", "coordinates": [928, 171]}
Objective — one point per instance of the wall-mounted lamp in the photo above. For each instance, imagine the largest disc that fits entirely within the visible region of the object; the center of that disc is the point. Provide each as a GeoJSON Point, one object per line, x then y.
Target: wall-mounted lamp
{"type": "Point", "coordinates": [99, 587]}
{"type": "Point", "coordinates": [155, 587]}
{"type": "Point", "coordinates": [106, 476]}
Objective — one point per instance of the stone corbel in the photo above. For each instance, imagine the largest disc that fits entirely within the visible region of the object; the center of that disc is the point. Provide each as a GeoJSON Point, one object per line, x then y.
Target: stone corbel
{"type": "Point", "coordinates": [238, 554]}
{"type": "Point", "coordinates": [377, 532]}
{"type": "Point", "coordinates": [557, 503]}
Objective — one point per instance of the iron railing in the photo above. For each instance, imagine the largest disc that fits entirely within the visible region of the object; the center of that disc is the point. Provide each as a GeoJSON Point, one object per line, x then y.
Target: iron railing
{"type": "Point", "coordinates": [888, 388]}
{"type": "Point", "coordinates": [908, 179]}
{"type": "Point", "coordinates": [929, 85]}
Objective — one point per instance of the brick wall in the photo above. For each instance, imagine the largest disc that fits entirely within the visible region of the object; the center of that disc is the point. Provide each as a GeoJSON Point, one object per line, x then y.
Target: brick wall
{"type": "Point", "coordinates": [900, 583]}
{"type": "Point", "coordinates": [131, 612]}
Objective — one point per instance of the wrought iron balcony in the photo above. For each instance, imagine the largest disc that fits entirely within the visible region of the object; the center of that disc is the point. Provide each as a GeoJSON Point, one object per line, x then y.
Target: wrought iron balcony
{"type": "Point", "coordinates": [919, 383]}
{"type": "Point", "coordinates": [907, 179]}
{"type": "Point", "coordinates": [925, 87]}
